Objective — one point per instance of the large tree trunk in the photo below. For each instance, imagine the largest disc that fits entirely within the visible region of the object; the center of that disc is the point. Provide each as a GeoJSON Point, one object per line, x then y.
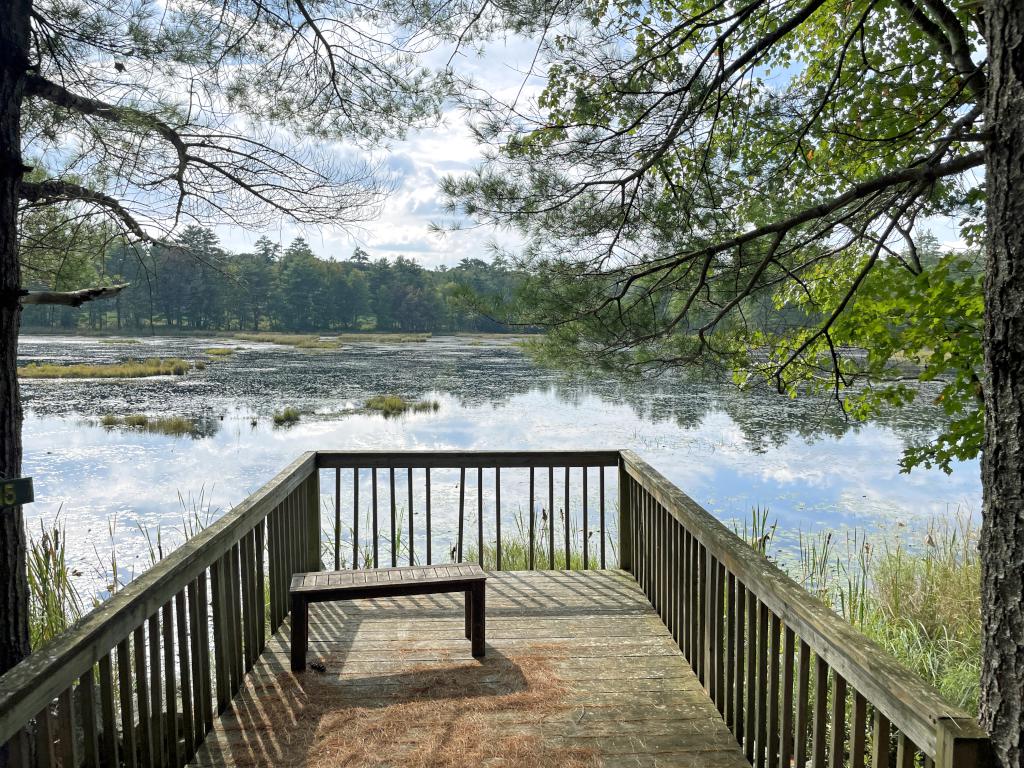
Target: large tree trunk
{"type": "Point", "coordinates": [14, 37]}
{"type": "Point", "coordinates": [1002, 466]}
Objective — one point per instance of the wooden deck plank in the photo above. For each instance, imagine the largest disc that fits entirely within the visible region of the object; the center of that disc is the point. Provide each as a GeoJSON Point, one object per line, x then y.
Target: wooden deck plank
{"type": "Point", "coordinates": [627, 696]}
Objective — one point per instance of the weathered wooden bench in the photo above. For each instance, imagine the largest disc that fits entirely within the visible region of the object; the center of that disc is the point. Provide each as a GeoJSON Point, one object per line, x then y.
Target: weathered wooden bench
{"type": "Point", "coordinates": [327, 586]}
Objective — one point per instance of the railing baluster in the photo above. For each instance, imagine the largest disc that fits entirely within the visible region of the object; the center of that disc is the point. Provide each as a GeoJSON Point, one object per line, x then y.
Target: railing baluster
{"type": "Point", "coordinates": [373, 520]}
{"type": "Point", "coordinates": [604, 532]}
{"type": "Point", "coordinates": [774, 657]}
{"type": "Point", "coordinates": [355, 517]}
{"type": "Point", "coordinates": [788, 649]}
{"type": "Point", "coordinates": [45, 756]}
{"type": "Point", "coordinates": [206, 667]}
{"type": "Point", "coordinates": [906, 752]}
{"type": "Point", "coordinates": [90, 727]}
{"type": "Point", "coordinates": [394, 520]}
{"type": "Point", "coordinates": [880, 752]}
{"type": "Point", "coordinates": [146, 750]}
{"type": "Point", "coordinates": [741, 658]}
{"type": "Point", "coordinates": [185, 671]}
{"type": "Point", "coordinates": [337, 519]}
{"type": "Point", "coordinates": [427, 513]}
{"type": "Point", "coordinates": [462, 511]}
{"type": "Point", "coordinates": [586, 526]}
{"type": "Point", "coordinates": [170, 687]}
{"type": "Point", "coordinates": [412, 535]}
{"type": "Point", "coordinates": [551, 518]}
{"type": "Point", "coordinates": [568, 548]}
{"type": "Point", "coordinates": [259, 534]}
{"type": "Point", "coordinates": [719, 609]}
{"type": "Point", "coordinates": [730, 649]}
{"type": "Point", "coordinates": [762, 686]}
{"type": "Point", "coordinates": [818, 750]}
{"type": "Point", "coordinates": [751, 707]}
{"type": "Point", "coordinates": [533, 520]}
{"type": "Point", "coordinates": [858, 730]}
{"type": "Point", "coordinates": [248, 626]}
{"type": "Point", "coordinates": [129, 755]}
{"type": "Point", "coordinates": [480, 515]}
{"type": "Point", "coordinates": [803, 694]}
{"type": "Point", "coordinates": [66, 728]}
{"type": "Point", "coordinates": [156, 699]}
{"type": "Point", "coordinates": [219, 630]}
{"type": "Point", "coordinates": [837, 753]}
{"type": "Point", "coordinates": [108, 712]}
{"type": "Point", "coordinates": [235, 631]}
{"type": "Point", "coordinates": [497, 516]}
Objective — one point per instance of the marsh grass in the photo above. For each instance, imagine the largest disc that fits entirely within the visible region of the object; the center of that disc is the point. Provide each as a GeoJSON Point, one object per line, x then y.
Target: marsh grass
{"type": "Point", "coordinates": [515, 546]}
{"type": "Point", "coordinates": [920, 599]}
{"type": "Point", "coordinates": [54, 602]}
{"type": "Point", "coordinates": [173, 426]}
{"type": "Point", "coordinates": [219, 351]}
{"type": "Point", "coordinates": [130, 369]}
{"type": "Point", "coordinates": [382, 338]}
{"type": "Point", "coordinates": [119, 340]}
{"type": "Point", "coordinates": [394, 405]}
{"type": "Point", "coordinates": [287, 417]}
{"type": "Point", "coordinates": [297, 340]}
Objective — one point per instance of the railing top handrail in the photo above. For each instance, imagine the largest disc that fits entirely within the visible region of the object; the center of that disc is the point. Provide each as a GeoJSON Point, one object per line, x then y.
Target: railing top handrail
{"type": "Point", "coordinates": [30, 685]}
{"type": "Point", "coordinates": [464, 459]}
{"type": "Point", "coordinates": [913, 706]}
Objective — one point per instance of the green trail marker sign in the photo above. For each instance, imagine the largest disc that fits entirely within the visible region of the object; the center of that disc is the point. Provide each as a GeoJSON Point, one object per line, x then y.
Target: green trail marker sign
{"type": "Point", "coordinates": [16, 491]}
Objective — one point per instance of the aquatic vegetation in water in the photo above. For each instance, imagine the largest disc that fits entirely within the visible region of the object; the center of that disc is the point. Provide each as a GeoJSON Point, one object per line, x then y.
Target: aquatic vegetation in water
{"type": "Point", "coordinates": [175, 426]}
{"type": "Point", "coordinates": [393, 405]}
{"type": "Point", "coordinates": [382, 338]}
{"type": "Point", "coordinates": [119, 340]}
{"type": "Point", "coordinates": [316, 341]}
{"type": "Point", "coordinates": [54, 602]}
{"type": "Point", "coordinates": [286, 417]}
{"type": "Point", "coordinates": [297, 340]}
{"type": "Point", "coordinates": [219, 351]}
{"type": "Point", "coordinates": [130, 369]}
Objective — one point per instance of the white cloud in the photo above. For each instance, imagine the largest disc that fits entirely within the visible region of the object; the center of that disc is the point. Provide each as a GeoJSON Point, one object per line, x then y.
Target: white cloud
{"type": "Point", "coordinates": [416, 165]}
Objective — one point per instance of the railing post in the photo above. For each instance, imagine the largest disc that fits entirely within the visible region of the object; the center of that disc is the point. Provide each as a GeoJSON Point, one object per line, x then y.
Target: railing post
{"type": "Point", "coordinates": [626, 521]}
{"type": "Point", "coordinates": [313, 519]}
{"type": "Point", "coordinates": [961, 743]}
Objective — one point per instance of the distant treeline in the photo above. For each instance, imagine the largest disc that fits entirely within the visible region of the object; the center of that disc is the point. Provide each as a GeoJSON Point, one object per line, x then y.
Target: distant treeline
{"type": "Point", "coordinates": [194, 284]}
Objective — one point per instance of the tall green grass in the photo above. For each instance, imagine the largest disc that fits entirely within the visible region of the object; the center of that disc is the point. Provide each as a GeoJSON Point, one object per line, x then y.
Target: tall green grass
{"type": "Point", "coordinates": [54, 602]}
{"type": "Point", "coordinates": [916, 595]}
{"type": "Point", "coordinates": [394, 405]}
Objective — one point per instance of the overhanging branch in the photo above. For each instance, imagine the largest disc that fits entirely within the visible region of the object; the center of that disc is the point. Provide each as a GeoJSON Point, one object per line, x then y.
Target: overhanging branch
{"type": "Point", "coordinates": [71, 298]}
{"type": "Point", "coordinates": [55, 190]}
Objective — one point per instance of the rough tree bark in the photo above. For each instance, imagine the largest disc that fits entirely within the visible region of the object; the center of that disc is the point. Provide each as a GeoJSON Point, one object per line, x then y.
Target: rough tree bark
{"type": "Point", "coordinates": [14, 42]}
{"type": "Point", "coordinates": [1002, 465]}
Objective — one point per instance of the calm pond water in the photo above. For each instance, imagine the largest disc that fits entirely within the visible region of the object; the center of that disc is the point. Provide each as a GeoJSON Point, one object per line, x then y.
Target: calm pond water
{"type": "Point", "coordinates": [731, 451]}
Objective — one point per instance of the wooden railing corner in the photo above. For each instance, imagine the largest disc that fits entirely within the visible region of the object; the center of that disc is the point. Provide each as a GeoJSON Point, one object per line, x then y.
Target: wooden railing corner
{"type": "Point", "coordinates": [962, 743]}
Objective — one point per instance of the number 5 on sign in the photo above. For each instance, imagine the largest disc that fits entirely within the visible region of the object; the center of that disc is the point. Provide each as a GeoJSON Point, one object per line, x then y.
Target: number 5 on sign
{"type": "Point", "coordinates": [16, 491]}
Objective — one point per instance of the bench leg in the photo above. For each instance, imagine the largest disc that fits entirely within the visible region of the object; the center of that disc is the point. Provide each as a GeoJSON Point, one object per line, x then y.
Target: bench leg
{"type": "Point", "coordinates": [469, 614]}
{"type": "Point", "coordinates": [300, 632]}
{"type": "Point", "coordinates": [478, 620]}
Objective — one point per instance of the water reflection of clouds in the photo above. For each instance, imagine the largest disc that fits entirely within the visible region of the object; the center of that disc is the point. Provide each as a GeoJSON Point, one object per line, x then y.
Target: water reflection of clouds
{"type": "Point", "coordinates": [728, 450]}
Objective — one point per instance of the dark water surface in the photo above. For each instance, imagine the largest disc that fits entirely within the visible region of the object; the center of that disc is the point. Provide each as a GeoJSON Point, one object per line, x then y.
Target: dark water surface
{"type": "Point", "coordinates": [729, 450]}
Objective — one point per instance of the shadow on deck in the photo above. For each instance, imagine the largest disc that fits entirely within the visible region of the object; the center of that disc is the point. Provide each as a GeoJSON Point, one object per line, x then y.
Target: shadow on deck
{"type": "Point", "coordinates": [580, 671]}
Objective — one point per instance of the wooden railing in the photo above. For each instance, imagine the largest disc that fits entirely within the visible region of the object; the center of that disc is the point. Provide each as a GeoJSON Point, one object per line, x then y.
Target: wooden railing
{"type": "Point", "coordinates": [559, 500]}
{"type": "Point", "coordinates": [139, 680]}
{"type": "Point", "coordinates": [795, 683]}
